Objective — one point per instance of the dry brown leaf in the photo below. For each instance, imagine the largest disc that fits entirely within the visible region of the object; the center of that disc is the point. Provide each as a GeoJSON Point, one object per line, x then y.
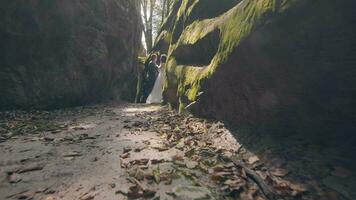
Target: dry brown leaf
{"type": "Point", "coordinates": [89, 196]}
{"type": "Point", "coordinates": [219, 168]}
{"type": "Point", "coordinates": [149, 174]}
{"type": "Point", "coordinates": [140, 191]}
{"type": "Point", "coordinates": [281, 184]}
{"type": "Point", "coordinates": [161, 148]}
{"type": "Point", "coordinates": [139, 149]}
{"type": "Point", "coordinates": [191, 164]}
{"type": "Point", "coordinates": [280, 172]}
{"type": "Point", "coordinates": [157, 176]}
{"type": "Point", "coordinates": [140, 174]}
{"type": "Point", "coordinates": [298, 189]}
{"type": "Point", "coordinates": [167, 177]}
{"type": "Point", "coordinates": [190, 153]}
{"type": "Point", "coordinates": [29, 168]}
{"type": "Point", "coordinates": [179, 163]}
{"type": "Point", "coordinates": [72, 154]}
{"type": "Point", "coordinates": [127, 149]}
{"type": "Point", "coordinates": [219, 176]}
{"type": "Point", "coordinates": [142, 161]}
{"type": "Point", "coordinates": [262, 174]}
{"type": "Point", "coordinates": [124, 164]}
{"type": "Point", "coordinates": [177, 158]}
{"type": "Point", "coordinates": [252, 160]}
{"type": "Point", "coordinates": [157, 161]}
{"type": "Point", "coordinates": [125, 155]}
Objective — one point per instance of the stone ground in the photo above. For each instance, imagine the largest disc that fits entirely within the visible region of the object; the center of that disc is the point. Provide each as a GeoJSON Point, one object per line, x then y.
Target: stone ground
{"type": "Point", "coordinates": [135, 151]}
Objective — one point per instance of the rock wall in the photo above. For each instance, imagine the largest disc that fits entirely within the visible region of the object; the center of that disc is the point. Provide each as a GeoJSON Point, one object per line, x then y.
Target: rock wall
{"type": "Point", "coordinates": [283, 66]}
{"type": "Point", "coordinates": [65, 52]}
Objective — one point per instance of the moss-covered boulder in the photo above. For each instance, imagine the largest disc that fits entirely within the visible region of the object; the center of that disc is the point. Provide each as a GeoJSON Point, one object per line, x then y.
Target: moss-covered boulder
{"type": "Point", "coordinates": [285, 65]}
{"type": "Point", "coordinates": [63, 52]}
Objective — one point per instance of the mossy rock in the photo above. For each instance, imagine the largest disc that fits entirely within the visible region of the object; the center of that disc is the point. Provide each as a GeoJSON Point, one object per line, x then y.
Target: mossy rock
{"type": "Point", "coordinates": [282, 65]}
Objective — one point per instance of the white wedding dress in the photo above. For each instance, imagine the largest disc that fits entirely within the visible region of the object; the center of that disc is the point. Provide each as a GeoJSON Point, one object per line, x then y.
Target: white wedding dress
{"type": "Point", "coordinates": [156, 94]}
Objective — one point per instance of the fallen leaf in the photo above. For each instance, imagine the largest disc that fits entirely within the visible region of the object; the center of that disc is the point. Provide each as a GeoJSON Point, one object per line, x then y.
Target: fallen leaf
{"type": "Point", "coordinates": [190, 192]}
{"type": "Point", "coordinates": [122, 191]}
{"type": "Point", "coordinates": [262, 174]}
{"type": "Point", "coordinates": [298, 189]}
{"type": "Point", "coordinates": [16, 194]}
{"type": "Point", "coordinates": [72, 154]}
{"type": "Point", "coordinates": [157, 176]}
{"type": "Point", "coordinates": [124, 164]}
{"type": "Point", "coordinates": [190, 153]}
{"type": "Point", "coordinates": [140, 174]}
{"type": "Point", "coordinates": [177, 158]}
{"type": "Point", "coordinates": [33, 167]}
{"type": "Point", "coordinates": [142, 161]}
{"type": "Point", "coordinates": [179, 163]}
{"type": "Point", "coordinates": [161, 148]}
{"type": "Point", "coordinates": [139, 191]}
{"type": "Point", "coordinates": [157, 161]}
{"type": "Point", "coordinates": [219, 176]}
{"type": "Point", "coordinates": [252, 160]}
{"type": "Point", "coordinates": [125, 155]}
{"type": "Point", "coordinates": [139, 149]}
{"type": "Point", "coordinates": [191, 164]}
{"type": "Point", "coordinates": [88, 196]}
{"type": "Point", "coordinates": [127, 149]}
{"type": "Point", "coordinates": [280, 172]}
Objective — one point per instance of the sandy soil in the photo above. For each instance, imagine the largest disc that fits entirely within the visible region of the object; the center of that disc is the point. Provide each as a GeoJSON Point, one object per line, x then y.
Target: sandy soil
{"type": "Point", "coordinates": [90, 156]}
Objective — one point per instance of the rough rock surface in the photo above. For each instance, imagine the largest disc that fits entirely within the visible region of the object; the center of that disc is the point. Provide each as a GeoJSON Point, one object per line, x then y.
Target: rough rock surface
{"type": "Point", "coordinates": [64, 53]}
{"type": "Point", "coordinates": [285, 66]}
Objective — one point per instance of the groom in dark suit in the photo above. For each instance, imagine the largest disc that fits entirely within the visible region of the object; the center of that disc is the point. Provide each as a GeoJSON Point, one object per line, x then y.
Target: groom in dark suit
{"type": "Point", "coordinates": [150, 74]}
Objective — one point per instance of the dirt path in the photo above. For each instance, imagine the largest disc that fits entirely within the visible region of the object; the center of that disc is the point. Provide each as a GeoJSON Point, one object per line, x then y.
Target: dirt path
{"type": "Point", "coordinates": [135, 151]}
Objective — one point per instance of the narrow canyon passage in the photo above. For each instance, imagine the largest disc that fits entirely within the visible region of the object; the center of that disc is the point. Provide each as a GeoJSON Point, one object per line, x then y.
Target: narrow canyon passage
{"type": "Point", "coordinates": [134, 151]}
{"type": "Point", "coordinates": [253, 99]}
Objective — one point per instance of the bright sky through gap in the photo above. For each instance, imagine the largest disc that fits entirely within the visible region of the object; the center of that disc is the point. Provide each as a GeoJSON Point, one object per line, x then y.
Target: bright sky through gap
{"type": "Point", "coordinates": [143, 34]}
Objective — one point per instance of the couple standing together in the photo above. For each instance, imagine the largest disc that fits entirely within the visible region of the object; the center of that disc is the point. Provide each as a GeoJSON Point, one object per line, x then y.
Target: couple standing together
{"type": "Point", "coordinates": [153, 79]}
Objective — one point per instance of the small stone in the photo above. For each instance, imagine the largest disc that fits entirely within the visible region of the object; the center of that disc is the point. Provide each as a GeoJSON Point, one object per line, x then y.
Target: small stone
{"type": "Point", "coordinates": [14, 178]}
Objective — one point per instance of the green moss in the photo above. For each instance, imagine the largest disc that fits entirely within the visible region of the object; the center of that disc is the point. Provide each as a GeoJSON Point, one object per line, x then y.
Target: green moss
{"type": "Point", "coordinates": [142, 59]}
{"type": "Point", "coordinates": [234, 26]}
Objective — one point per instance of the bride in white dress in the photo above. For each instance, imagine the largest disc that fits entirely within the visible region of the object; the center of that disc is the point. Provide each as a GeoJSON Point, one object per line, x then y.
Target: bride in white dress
{"type": "Point", "coordinates": [156, 94]}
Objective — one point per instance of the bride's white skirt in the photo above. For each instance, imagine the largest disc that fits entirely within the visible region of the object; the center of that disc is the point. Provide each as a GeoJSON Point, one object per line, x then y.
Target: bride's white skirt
{"type": "Point", "coordinates": [156, 94]}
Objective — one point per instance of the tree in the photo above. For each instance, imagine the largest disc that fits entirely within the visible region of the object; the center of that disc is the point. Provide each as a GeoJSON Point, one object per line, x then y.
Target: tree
{"type": "Point", "coordinates": [147, 14]}
{"type": "Point", "coordinates": [154, 13]}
